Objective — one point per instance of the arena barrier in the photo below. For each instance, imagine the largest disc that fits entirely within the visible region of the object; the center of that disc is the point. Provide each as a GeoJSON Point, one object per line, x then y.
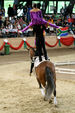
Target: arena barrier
{"type": "Point", "coordinates": [65, 41]}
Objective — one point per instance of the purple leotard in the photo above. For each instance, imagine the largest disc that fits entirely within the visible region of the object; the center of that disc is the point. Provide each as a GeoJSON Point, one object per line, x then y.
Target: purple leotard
{"type": "Point", "coordinates": [36, 18]}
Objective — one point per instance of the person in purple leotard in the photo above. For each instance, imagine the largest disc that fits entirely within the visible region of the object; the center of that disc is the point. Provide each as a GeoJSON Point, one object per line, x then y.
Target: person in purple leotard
{"type": "Point", "coordinates": [39, 25]}
{"type": "Point", "coordinates": [37, 19]}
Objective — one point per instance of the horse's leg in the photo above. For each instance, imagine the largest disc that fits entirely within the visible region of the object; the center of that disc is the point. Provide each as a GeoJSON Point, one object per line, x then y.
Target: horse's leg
{"type": "Point", "coordinates": [39, 83]}
{"type": "Point", "coordinates": [41, 88]}
{"type": "Point", "coordinates": [55, 100]}
{"type": "Point", "coordinates": [31, 68]}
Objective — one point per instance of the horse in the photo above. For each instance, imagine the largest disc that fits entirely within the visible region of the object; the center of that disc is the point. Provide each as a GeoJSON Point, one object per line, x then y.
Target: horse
{"type": "Point", "coordinates": [46, 77]}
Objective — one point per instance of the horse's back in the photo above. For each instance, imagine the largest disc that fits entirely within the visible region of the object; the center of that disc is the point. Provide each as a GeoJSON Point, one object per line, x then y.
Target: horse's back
{"type": "Point", "coordinates": [45, 64]}
{"type": "Point", "coordinates": [41, 70]}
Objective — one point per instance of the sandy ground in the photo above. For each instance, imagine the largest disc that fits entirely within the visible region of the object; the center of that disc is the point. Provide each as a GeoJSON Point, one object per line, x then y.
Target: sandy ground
{"type": "Point", "coordinates": [20, 93]}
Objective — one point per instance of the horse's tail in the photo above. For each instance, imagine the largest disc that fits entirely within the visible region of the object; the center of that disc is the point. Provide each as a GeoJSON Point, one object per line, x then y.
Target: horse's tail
{"type": "Point", "coordinates": [50, 81]}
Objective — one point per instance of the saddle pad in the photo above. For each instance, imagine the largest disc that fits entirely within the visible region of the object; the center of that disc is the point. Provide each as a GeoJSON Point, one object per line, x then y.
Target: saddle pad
{"type": "Point", "coordinates": [37, 62]}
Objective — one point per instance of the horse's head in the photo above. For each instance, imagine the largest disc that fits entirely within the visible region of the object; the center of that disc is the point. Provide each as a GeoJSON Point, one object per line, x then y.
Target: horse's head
{"type": "Point", "coordinates": [32, 53]}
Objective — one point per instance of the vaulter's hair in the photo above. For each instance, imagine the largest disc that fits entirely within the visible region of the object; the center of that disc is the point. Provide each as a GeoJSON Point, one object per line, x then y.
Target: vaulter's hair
{"type": "Point", "coordinates": [35, 5]}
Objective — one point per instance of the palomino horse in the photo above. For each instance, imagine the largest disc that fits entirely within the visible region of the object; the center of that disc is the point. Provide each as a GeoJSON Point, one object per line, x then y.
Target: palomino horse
{"type": "Point", "coordinates": [46, 77]}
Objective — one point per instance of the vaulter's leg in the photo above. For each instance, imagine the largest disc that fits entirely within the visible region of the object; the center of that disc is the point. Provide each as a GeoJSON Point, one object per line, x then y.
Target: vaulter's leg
{"type": "Point", "coordinates": [44, 48]}
{"type": "Point", "coordinates": [38, 48]}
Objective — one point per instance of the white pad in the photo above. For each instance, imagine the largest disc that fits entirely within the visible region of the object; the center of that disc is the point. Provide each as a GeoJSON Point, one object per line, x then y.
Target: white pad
{"type": "Point", "coordinates": [42, 91]}
{"type": "Point", "coordinates": [37, 62]}
{"type": "Point", "coordinates": [55, 101]}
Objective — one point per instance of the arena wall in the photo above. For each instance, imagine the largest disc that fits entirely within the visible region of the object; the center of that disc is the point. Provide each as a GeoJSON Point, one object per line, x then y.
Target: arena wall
{"type": "Point", "coordinates": [16, 41]}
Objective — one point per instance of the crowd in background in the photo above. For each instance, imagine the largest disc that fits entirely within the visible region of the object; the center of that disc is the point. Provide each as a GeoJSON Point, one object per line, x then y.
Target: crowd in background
{"type": "Point", "coordinates": [9, 26]}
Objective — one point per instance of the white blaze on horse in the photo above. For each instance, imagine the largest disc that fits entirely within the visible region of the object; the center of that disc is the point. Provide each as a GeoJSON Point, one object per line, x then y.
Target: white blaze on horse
{"type": "Point", "coordinates": [46, 76]}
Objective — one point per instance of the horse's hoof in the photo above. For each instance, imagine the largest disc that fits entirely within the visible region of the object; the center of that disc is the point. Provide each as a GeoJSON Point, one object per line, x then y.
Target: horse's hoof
{"type": "Point", "coordinates": [50, 101]}
{"type": "Point", "coordinates": [56, 105]}
{"type": "Point", "coordinates": [45, 99]}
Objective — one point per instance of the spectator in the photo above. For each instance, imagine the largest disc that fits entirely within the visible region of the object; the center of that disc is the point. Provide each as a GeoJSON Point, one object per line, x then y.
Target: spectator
{"type": "Point", "coordinates": [3, 12]}
{"type": "Point", "coordinates": [0, 21]}
{"type": "Point", "coordinates": [62, 11]}
{"type": "Point", "coordinates": [15, 9]}
{"type": "Point", "coordinates": [28, 13]}
{"type": "Point", "coordinates": [38, 5]}
{"type": "Point", "coordinates": [22, 23]}
{"type": "Point", "coordinates": [12, 20]}
{"type": "Point", "coordinates": [25, 10]}
{"type": "Point", "coordinates": [0, 12]}
{"type": "Point", "coordinates": [6, 22]}
{"type": "Point", "coordinates": [10, 11]}
{"type": "Point", "coordinates": [55, 10]}
{"type": "Point", "coordinates": [43, 8]}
